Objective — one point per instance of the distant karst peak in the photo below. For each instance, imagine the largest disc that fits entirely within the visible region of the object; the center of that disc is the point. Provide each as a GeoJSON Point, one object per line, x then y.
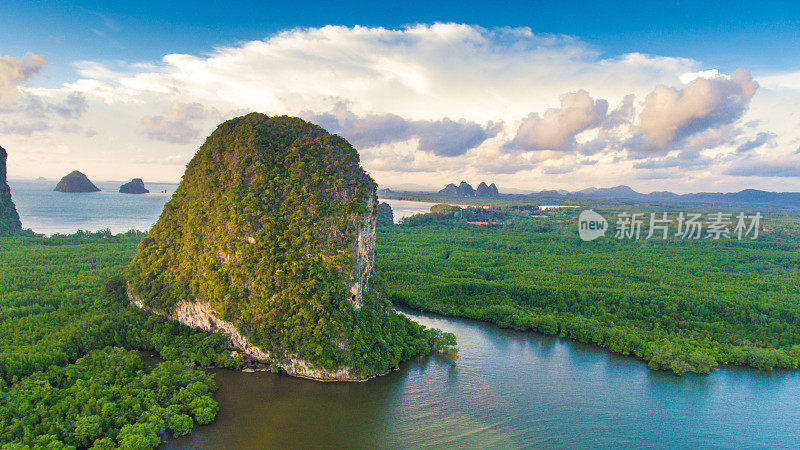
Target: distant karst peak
{"type": "Point", "coordinates": [464, 189]}
{"type": "Point", "coordinates": [135, 186]}
{"type": "Point", "coordinates": [76, 181]}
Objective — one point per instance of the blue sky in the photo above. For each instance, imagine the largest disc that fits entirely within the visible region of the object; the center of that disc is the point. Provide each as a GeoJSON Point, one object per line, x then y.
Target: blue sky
{"type": "Point", "coordinates": [763, 36]}
{"type": "Point", "coordinates": [686, 96]}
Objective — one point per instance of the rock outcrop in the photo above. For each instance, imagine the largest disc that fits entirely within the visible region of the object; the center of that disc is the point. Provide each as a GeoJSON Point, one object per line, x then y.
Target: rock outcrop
{"type": "Point", "coordinates": [385, 215]}
{"type": "Point", "coordinates": [450, 190]}
{"type": "Point", "coordinates": [270, 239]}
{"type": "Point", "coordinates": [76, 181]}
{"type": "Point", "coordinates": [135, 186]}
{"type": "Point", "coordinates": [201, 315]}
{"type": "Point", "coordinates": [485, 191]}
{"type": "Point", "coordinates": [9, 218]}
{"type": "Point", "coordinates": [466, 190]}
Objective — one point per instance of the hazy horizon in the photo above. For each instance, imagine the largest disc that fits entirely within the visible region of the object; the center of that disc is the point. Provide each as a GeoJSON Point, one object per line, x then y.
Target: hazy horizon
{"type": "Point", "coordinates": [420, 188]}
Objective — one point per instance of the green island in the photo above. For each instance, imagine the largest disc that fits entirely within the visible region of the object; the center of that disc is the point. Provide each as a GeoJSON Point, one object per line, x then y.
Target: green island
{"type": "Point", "coordinates": [682, 305]}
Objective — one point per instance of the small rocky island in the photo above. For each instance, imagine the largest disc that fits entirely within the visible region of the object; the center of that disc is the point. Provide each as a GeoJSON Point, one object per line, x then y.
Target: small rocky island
{"type": "Point", "coordinates": [76, 181]}
{"type": "Point", "coordinates": [135, 186]}
{"type": "Point", "coordinates": [9, 219]}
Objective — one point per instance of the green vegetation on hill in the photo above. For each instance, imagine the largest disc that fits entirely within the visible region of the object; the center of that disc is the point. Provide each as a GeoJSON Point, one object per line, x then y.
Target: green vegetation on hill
{"type": "Point", "coordinates": [264, 227]}
{"type": "Point", "coordinates": [64, 376]}
{"type": "Point", "coordinates": [9, 219]}
{"type": "Point", "coordinates": [385, 216]}
{"type": "Point", "coordinates": [682, 305]}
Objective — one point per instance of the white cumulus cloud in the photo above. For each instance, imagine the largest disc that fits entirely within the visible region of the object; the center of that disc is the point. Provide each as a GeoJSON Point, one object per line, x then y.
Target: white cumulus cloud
{"type": "Point", "coordinates": [422, 104]}
{"type": "Point", "coordinates": [16, 71]}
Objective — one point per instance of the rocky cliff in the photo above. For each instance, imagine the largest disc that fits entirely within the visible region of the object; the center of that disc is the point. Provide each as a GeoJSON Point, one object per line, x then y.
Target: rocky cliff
{"type": "Point", "coordinates": [75, 181]}
{"type": "Point", "coordinates": [270, 238]}
{"type": "Point", "coordinates": [385, 215]}
{"type": "Point", "coordinates": [198, 314]}
{"type": "Point", "coordinates": [135, 186]}
{"type": "Point", "coordinates": [9, 219]}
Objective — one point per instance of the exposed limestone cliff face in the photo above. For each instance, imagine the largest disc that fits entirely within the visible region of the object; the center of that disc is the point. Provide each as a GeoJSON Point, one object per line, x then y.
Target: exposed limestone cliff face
{"type": "Point", "coordinates": [200, 315]}
{"type": "Point", "coordinates": [363, 249]}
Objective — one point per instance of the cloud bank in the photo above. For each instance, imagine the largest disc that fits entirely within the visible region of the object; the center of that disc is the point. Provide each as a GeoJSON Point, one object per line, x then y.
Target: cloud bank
{"type": "Point", "coordinates": [557, 127]}
{"type": "Point", "coordinates": [177, 127]}
{"type": "Point", "coordinates": [422, 104]}
{"type": "Point", "coordinates": [444, 137]}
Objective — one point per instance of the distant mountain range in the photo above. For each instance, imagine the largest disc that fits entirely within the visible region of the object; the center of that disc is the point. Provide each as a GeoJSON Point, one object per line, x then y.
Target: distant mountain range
{"type": "Point", "coordinates": [626, 194]}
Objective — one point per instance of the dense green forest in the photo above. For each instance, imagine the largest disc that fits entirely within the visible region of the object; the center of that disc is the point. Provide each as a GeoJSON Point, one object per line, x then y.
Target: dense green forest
{"type": "Point", "coordinates": [682, 305]}
{"type": "Point", "coordinates": [71, 375]}
{"type": "Point", "coordinates": [263, 228]}
{"type": "Point", "coordinates": [67, 376]}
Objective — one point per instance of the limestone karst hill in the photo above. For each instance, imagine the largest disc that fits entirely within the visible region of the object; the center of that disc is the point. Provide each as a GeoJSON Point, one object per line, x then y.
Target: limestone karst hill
{"type": "Point", "coordinates": [466, 190]}
{"type": "Point", "coordinates": [385, 216]}
{"type": "Point", "coordinates": [9, 218]}
{"type": "Point", "coordinates": [270, 238]}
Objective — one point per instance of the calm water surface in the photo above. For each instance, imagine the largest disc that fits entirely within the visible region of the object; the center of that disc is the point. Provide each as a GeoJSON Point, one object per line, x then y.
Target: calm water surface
{"type": "Point", "coordinates": [509, 390]}
{"type": "Point", "coordinates": [46, 211]}
{"type": "Point", "coordinates": [406, 208]}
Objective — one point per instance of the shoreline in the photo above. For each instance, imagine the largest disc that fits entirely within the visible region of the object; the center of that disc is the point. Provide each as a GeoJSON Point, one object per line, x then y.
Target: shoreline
{"type": "Point", "coordinates": [720, 365]}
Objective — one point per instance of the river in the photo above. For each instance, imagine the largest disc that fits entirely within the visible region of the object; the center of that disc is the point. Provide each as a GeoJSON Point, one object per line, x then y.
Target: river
{"type": "Point", "coordinates": [509, 390]}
